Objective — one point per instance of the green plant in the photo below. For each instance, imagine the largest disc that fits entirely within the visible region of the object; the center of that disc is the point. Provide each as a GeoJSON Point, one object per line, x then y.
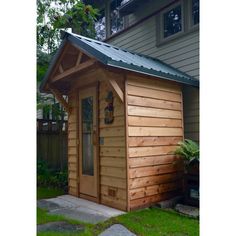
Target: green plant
{"type": "Point", "coordinates": [47, 177]}
{"type": "Point", "coordinates": [189, 150]}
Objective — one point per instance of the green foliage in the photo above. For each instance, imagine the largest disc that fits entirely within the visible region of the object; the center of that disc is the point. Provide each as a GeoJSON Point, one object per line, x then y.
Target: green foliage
{"type": "Point", "coordinates": [189, 150]}
{"type": "Point", "coordinates": [47, 177]}
{"type": "Point", "coordinates": [48, 192]}
{"type": "Point", "coordinates": [54, 15]}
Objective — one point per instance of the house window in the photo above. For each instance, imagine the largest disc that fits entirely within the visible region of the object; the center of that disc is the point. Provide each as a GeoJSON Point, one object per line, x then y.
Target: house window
{"type": "Point", "coordinates": [117, 22]}
{"type": "Point", "coordinates": [195, 12]}
{"type": "Point", "coordinates": [172, 21]}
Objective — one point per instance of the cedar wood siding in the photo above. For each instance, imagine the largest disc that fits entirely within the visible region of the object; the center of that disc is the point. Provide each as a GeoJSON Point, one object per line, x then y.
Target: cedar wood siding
{"type": "Point", "coordinates": [73, 175]}
{"type": "Point", "coordinates": [154, 114]}
{"type": "Point", "coordinates": [113, 171]}
{"type": "Point", "coordinates": [112, 151]}
{"type": "Point", "coordinates": [181, 53]}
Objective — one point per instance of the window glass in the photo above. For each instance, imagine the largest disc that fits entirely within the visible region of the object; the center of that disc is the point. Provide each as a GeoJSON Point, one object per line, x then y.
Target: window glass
{"type": "Point", "coordinates": [172, 21]}
{"type": "Point", "coordinates": [195, 11]}
{"type": "Point", "coordinates": [117, 22]}
{"type": "Point", "coordinates": [87, 132]}
{"type": "Point", "coordinates": [100, 26]}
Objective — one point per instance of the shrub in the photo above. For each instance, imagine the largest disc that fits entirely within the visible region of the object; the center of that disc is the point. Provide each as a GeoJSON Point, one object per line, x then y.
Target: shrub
{"type": "Point", "coordinates": [189, 150]}
{"type": "Point", "coordinates": [47, 177]}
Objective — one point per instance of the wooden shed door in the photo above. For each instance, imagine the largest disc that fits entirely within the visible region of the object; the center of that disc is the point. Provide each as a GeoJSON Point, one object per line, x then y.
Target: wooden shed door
{"type": "Point", "coordinates": [88, 142]}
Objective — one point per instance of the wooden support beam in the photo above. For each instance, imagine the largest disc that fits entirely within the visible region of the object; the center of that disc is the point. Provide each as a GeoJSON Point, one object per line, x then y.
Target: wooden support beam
{"type": "Point", "coordinates": [117, 89]}
{"type": "Point", "coordinates": [61, 68]}
{"type": "Point", "coordinates": [79, 58]}
{"type": "Point", "coordinates": [108, 78]}
{"type": "Point", "coordinates": [74, 70]}
{"type": "Point", "coordinates": [60, 99]}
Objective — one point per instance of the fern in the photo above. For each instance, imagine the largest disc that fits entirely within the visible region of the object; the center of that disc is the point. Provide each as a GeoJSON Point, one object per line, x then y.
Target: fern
{"type": "Point", "coordinates": [189, 150]}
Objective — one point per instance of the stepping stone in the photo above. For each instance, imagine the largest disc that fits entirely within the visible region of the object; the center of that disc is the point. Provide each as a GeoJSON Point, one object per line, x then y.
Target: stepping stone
{"type": "Point", "coordinates": [187, 210]}
{"type": "Point", "coordinates": [117, 230]}
{"type": "Point", "coordinates": [81, 215]}
{"type": "Point", "coordinates": [169, 203]}
{"type": "Point", "coordinates": [47, 205]}
{"type": "Point", "coordinates": [59, 226]}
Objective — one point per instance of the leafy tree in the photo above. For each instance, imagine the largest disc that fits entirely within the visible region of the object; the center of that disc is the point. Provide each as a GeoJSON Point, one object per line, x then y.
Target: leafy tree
{"type": "Point", "coordinates": [52, 16]}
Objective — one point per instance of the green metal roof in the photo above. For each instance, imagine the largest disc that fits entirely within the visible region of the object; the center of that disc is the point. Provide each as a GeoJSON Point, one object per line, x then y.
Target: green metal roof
{"type": "Point", "coordinates": [116, 57]}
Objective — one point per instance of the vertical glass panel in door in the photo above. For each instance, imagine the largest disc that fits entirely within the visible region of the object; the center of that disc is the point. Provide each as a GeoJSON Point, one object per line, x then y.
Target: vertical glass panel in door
{"type": "Point", "coordinates": [87, 136]}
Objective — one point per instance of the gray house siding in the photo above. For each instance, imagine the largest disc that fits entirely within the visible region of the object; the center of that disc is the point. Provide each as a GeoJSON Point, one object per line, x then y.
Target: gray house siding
{"type": "Point", "coordinates": [181, 53]}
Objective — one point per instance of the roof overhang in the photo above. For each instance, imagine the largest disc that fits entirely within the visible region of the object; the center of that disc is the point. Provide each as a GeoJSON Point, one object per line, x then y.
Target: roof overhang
{"type": "Point", "coordinates": [114, 57]}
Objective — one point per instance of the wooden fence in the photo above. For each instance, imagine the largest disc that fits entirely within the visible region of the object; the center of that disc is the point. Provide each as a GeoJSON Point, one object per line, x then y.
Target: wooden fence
{"type": "Point", "coordinates": [52, 143]}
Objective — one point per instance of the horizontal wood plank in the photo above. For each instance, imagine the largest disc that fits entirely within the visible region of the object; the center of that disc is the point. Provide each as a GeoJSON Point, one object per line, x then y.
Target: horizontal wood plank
{"type": "Point", "coordinates": [155, 189]}
{"type": "Point", "coordinates": [152, 93]}
{"type": "Point", "coordinates": [153, 141]}
{"type": "Point", "coordinates": [151, 151]}
{"type": "Point", "coordinates": [153, 84]}
{"type": "Point", "coordinates": [120, 193]}
{"type": "Point", "coordinates": [112, 151]}
{"type": "Point", "coordinates": [113, 162]}
{"type": "Point", "coordinates": [113, 182]}
{"type": "Point", "coordinates": [154, 131]}
{"type": "Point", "coordinates": [154, 122]}
{"type": "Point", "coordinates": [155, 170]}
{"type": "Point", "coordinates": [154, 179]}
{"type": "Point", "coordinates": [155, 103]}
{"type": "Point", "coordinates": [112, 132]}
{"type": "Point", "coordinates": [119, 172]}
{"type": "Point", "coordinates": [152, 160]}
{"type": "Point", "coordinates": [153, 112]}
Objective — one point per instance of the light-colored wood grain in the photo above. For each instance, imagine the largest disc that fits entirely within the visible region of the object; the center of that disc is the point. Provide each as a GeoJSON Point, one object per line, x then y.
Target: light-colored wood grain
{"type": "Point", "coordinates": [113, 202]}
{"type": "Point", "coordinates": [155, 170]}
{"type": "Point", "coordinates": [153, 83]}
{"type": "Point", "coordinates": [113, 162]}
{"type": "Point", "coordinates": [153, 112]}
{"type": "Point", "coordinates": [152, 93]}
{"type": "Point", "coordinates": [155, 103]}
{"type": "Point", "coordinates": [120, 194]}
{"type": "Point", "coordinates": [153, 121]}
{"type": "Point", "coordinates": [151, 151]}
{"type": "Point", "coordinates": [155, 131]}
{"type": "Point", "coordinates": [153, 141]}
{"type": "Point", "coordinates": [154, 179]}
{"type": "Point", "coordinates": [152, 160]}
{"type": "Point", "coordinates": [112, 151]}
{"type": "Point", "coordinates": [112, 132]}
{"type": "Point", "coordinates": [119, 172]}
{"type": "Point", "coordinates": [113, 142]}
{"type": "Point", "coordinates": [113, 182]}
{"type": "Point", "coordinates": [155, 189]}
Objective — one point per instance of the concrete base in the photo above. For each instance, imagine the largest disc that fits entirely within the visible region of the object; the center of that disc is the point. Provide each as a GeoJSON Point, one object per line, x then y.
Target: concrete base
{"type": "Point", "coordinates": [78, 209]}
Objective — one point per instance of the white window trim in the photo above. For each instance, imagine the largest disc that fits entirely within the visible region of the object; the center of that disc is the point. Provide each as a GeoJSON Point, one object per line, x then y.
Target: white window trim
{"type": "Point", "coordinates": [160, 24]}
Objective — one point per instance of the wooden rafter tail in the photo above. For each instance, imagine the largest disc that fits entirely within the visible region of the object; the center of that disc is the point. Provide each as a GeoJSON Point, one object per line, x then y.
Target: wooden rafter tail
{"type": "Point", "coordinates": [61, 99]}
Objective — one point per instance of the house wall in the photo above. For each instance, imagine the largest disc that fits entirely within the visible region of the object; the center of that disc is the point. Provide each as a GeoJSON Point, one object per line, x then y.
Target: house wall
{"type": "Point", "coordinates": [112, 144]}
{"type": "Point", "coordinates": [181, 52]}
{"type": "Point", "coordinates": [155, 126]}
{"type": "Point", "coordinates": [113, 171]}
{"type": "Point", "coordinates": [73, 175]}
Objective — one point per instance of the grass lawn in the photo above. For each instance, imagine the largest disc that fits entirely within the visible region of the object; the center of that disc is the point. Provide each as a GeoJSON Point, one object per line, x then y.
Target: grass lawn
{"type": "Point", "coordinates": [146, 222]}
{"type": "Point", "coordinates": [47, 192]}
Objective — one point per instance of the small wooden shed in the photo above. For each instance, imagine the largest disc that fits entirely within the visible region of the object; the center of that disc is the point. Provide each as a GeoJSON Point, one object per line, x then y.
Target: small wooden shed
{"type": "Point", "coordinates": [125, 119]}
